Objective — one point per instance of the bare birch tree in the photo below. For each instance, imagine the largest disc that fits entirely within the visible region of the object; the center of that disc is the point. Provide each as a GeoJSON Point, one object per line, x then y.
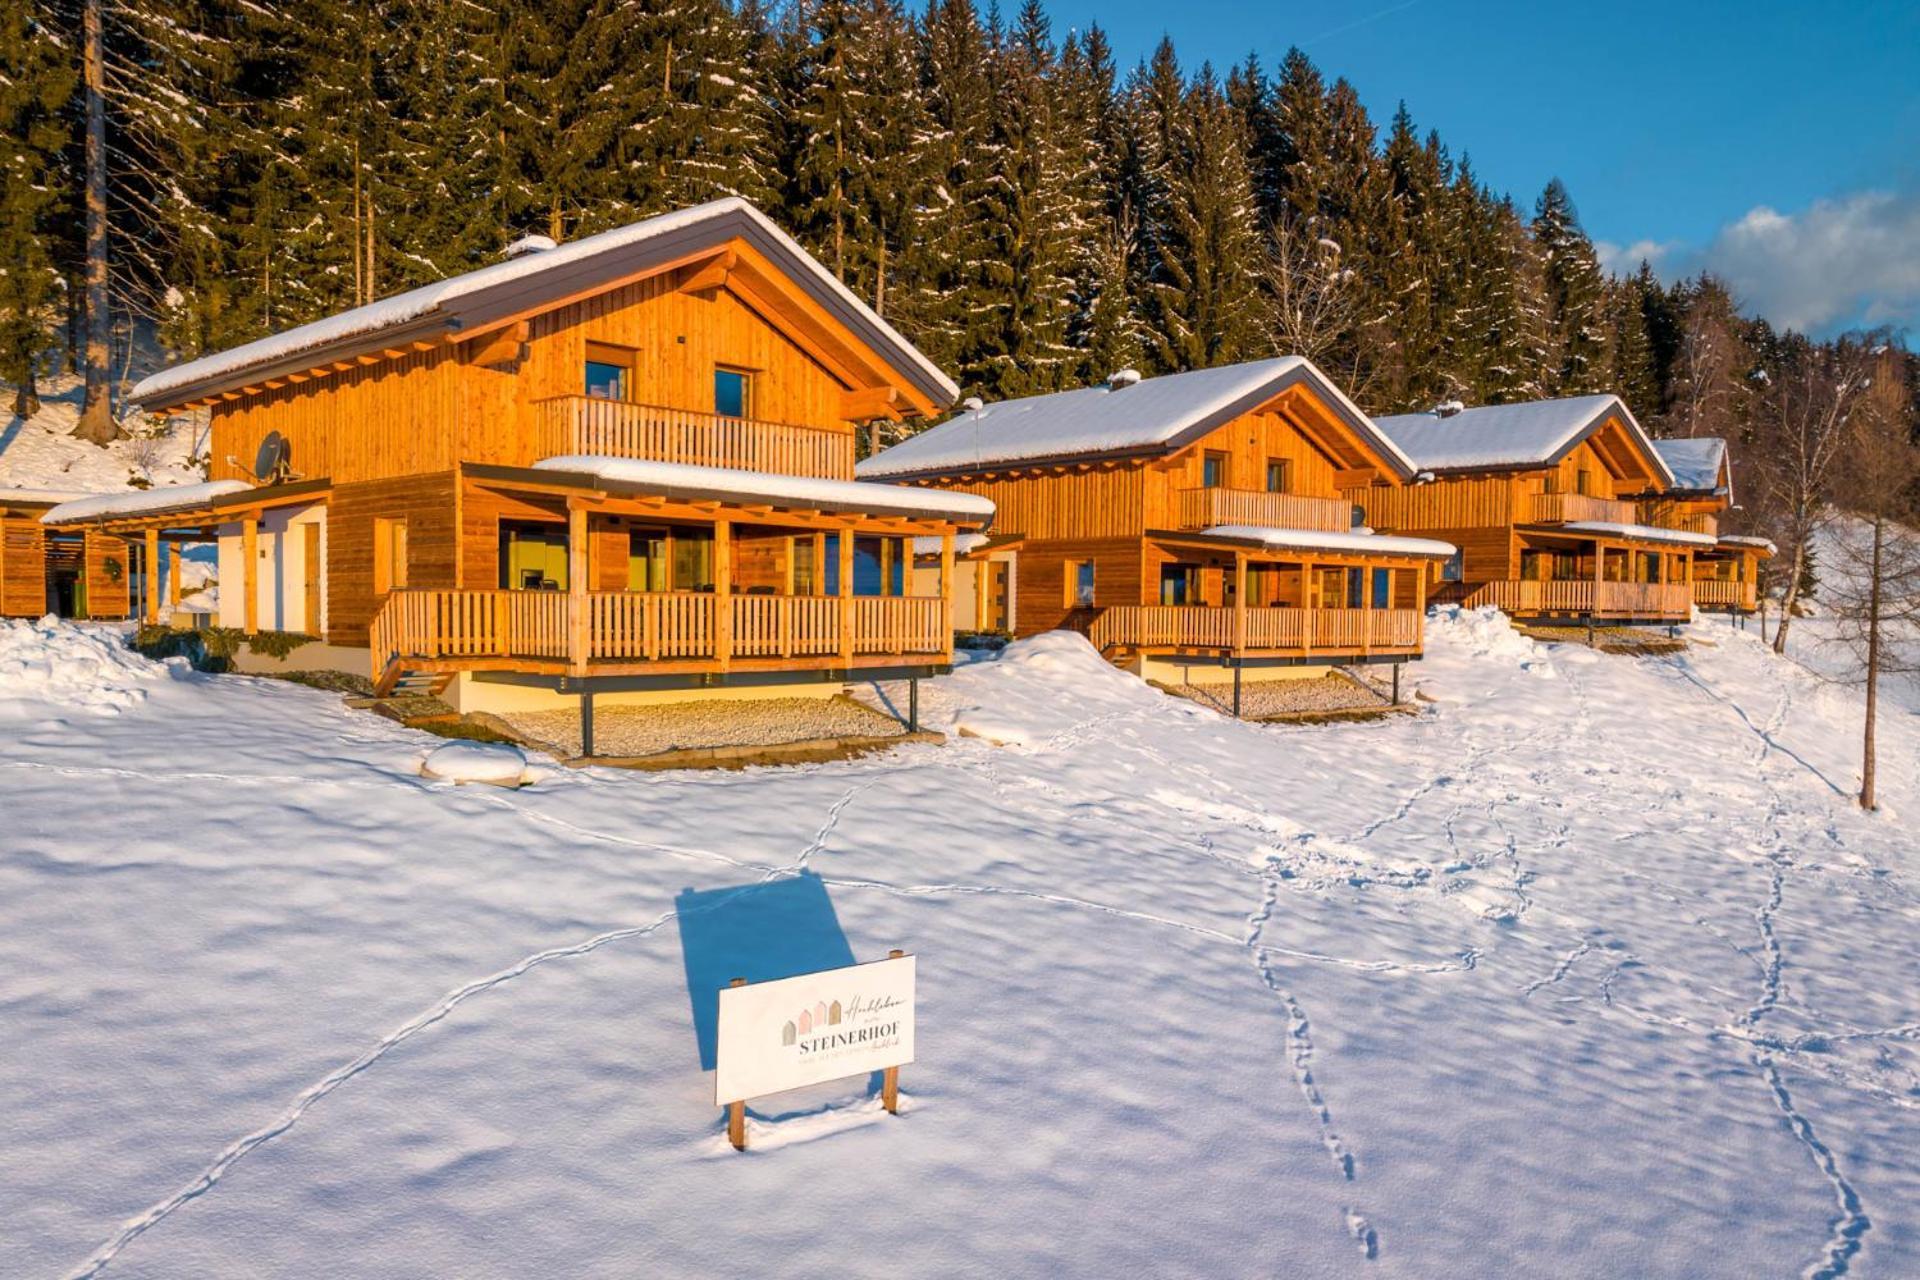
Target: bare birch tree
{"type": "Point", "coordinates": [1805, 424]}
{"type": "Point", "coordinates": [1875, 592]}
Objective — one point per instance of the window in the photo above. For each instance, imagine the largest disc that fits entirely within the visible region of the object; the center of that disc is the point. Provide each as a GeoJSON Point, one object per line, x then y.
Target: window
{"type": "Point", "coordinates": [879, 566]}
{"type": "Point", "coordinates": [1279, 475]}
{"type": "Point", "coordinates": [648, 559]}
{"type": "Point", "coordinates": [692, 560]}
{"type": "Point", "coordinates": [732, 393]}
{"type": "Point", "coordinates": [1550, 482]}
{"type": "Point", "coordinates": [1179, 584]}
{"type": "Point", "coordinates": [1583, 482]}
{"type": "Point", "coordinates": [1213, 470]}
{"type": "Point", "coordinates": [389, 555]}
{"type": "Point", "coordinates": [609, 372]}
{"type": "Point", "coordinates": [1079, 584]}
{"type": "Point", "coordinates": [1455, 568]}
{"type": "Point", "coordinates": [805, 574]}
{"type": "Point", "coordinates": [533, 556]}
{"type": "Point", "coordinates": [1382, 589]}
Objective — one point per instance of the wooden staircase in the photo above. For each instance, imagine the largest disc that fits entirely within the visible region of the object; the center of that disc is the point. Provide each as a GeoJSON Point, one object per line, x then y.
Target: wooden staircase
{"type": "Point", "coordinates": [399, 680]}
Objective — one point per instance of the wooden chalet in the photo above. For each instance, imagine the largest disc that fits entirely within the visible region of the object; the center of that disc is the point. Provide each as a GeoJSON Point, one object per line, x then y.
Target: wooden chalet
{"type": "Point", "coordinates": [1726, 576]}
{"type": "Point", "coordinates": [1561, 509]}
{"type": "Point", "coordinates": [623, 465]}
{"type": "Point", "coordinates": [1186, 520]}
{"type": "Point", "coordinates": [78, 574]}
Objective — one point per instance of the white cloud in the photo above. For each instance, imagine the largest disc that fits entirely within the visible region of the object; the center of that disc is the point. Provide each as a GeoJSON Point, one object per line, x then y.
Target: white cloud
{"type": "Point", "coordinates": [1852, 260]}
{"type": "Point", "coordinates": [1624, 260]}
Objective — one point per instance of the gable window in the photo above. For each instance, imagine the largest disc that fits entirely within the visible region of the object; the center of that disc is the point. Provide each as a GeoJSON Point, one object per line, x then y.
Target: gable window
{"type": "Point", "coordinates": [389, 555]}
{"type": "Point", "coordinates": [1583, 481]}
{"type": "Point", "coordinates": [1213, 470]}
{"type": "Point", "coordinates": [1279, 475]}
{"type": "Point", "coordinates": [732, 393]}
{"type": "Point", "coordinates": [609, 372]}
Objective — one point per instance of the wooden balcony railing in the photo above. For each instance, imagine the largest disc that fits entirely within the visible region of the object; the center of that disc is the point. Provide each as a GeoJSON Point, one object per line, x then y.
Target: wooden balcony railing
{"type": "Point", "coordinates": [1203, 508]}
{"type": "Point", "coordinates": [1559, 508]}
{"type": "Point", "coordinates": [621, 429]}
{"type": "Point", "coordinates": [1666, 515]}
{"type": "Point", "coordinates": [1669, 600]}
{"type": "Point", "coordinates": [1712, 594]}
{"type": "Point", "coordinates": [630, 627]}
{"type": "Point", "coordinates": [1329, 631]}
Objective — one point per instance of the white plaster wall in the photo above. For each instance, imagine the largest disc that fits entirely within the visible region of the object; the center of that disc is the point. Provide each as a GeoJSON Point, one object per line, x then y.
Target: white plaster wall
{"type": "Point", "coordinates": [280, 574]}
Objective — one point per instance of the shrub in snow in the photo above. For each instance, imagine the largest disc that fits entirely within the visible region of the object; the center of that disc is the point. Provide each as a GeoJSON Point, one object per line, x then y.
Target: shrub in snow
{"type": "Point", "coordinates": [500, 763]}
{"type": "Point", "coordinates": [89, 667]}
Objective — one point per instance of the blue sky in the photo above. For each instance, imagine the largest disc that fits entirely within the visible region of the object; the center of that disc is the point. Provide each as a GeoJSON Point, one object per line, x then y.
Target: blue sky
{"type": "Point", "coordinates": [1777, 144]}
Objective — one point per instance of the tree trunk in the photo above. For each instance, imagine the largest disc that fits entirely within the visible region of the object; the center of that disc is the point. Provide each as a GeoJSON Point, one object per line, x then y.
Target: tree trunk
{"type": "Point", "coordinates": [1867, 798]}
{"type": "Point", "coordinates": [26, 396]}
{"type": "Point", "coordinates": [1791, 595]}
{"type": "Point", "coordinates": [96, 411]}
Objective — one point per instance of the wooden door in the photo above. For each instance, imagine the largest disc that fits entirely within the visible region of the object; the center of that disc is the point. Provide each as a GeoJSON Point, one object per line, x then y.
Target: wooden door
{"type": "Point", "coordinates": [311, 618]}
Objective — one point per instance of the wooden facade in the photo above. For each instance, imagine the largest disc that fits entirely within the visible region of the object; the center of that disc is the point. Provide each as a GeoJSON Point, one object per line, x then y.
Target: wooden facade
{"type": "Point", "coordinates": [1129, 548]}
{"type": "Point", "coordinates": [1587, 534]}
{"type": "Point", "coordinates": [411, 454]}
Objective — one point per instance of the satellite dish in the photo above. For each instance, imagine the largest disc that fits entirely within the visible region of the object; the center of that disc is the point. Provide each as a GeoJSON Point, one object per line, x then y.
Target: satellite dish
{"type": "Point", "coordinates": [273, 464]}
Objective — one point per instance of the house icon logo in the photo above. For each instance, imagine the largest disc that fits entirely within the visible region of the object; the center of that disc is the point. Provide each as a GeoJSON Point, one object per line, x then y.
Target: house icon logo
{"type": "Point", "coordinates": [809, 1021]}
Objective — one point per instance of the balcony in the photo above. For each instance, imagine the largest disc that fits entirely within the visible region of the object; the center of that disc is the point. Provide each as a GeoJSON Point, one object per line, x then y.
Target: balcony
{"type": "Point", "coordinates": [1565, 508]}
{"type": "Point", "coordinates": [633, 631]}
{"type": "Point", "coordinates": [1669, 515]}
{"type": "Point", "coordinates": [1292, 631]}
{"type": "Point", "coordinates": [655, 433]}
{"type": "Point", "coordinates": [1580, 597]}
{"type": "Point", "coordinates": [1204, 508]}
{"type": "Point", "coordinates": [1742, 597]}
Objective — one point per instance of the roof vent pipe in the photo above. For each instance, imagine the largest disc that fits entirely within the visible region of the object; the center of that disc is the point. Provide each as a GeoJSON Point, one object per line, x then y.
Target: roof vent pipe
{"type": "Point", "coordinates": [526, 245]}
{"type": "Point", "coordinates": [1120, 378]}
{"type": "Point", "coordinates": [1447, 408]}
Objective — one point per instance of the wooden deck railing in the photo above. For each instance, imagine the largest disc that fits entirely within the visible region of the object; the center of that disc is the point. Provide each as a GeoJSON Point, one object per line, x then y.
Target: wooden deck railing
{"type": "Point", "coordinates": [1712, 594]}
{"type": "Point", "coordinates": [626, 627]}
{"type": "Point", "coordinates": [621, 429]}
{"type": "Point", "coordinates": [1203, 508]}
{"type": "Point", "coordinates": [1331, 631]}
{"type": "Point", "coordinates": [1578, 596]}
{"type": "Point", "coordinates": [1558, 508]}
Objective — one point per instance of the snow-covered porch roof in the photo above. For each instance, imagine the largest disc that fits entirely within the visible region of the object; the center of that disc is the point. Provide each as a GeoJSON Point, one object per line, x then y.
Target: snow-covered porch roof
{"type": "Point", "coordinates": [732, 487]}
{"type": "Point", "coordinates": [1607, 530]}
{"type": "Point", "coordinates": [1292, 544]}
{"type": "Point", "coordinates": [207, 503]}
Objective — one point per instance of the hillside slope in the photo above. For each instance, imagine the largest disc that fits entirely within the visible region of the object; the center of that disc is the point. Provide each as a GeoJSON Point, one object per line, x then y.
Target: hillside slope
{"type": "Point", "coordinates": [1592, 969]}
{"type": "Point", "coordinates": [40, 452]}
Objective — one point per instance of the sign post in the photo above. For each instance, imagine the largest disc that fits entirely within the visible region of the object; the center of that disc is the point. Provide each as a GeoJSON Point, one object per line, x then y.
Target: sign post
{"type": "Point", "coordinates": [793, 1032]}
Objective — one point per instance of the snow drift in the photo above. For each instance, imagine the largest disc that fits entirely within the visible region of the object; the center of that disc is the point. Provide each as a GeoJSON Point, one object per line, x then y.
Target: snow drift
{"type": "Point", "coordinates": [89, 668]}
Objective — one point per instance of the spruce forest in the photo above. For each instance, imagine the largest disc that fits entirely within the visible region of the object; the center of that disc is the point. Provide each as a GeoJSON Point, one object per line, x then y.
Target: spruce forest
{"type": "Point", "coordinates": [1029, 213]}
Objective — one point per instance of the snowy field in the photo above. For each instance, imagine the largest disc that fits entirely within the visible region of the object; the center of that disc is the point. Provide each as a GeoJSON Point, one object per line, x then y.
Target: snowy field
{"type": "Point", "coordinates": [1592, 970]}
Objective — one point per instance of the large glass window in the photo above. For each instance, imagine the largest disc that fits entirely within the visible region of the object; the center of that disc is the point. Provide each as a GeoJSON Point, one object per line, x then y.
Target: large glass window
{"type": "Point", "coordinates": [1213, 470]}
{"type": "Point", "coordinates": [1383, 588]}
{"type": "Point", "coordinates": [879, 567]}
{"type": "Point", "coordinates": [732, 393]}
{"type": "Point", "coordinates": [1279, 475]}
{"type": "Point", "coordinates": [1179, 584]}
{"type": "Point", "coordinates": [648, 561]}
{"type": "Point", "coordinates": [805, 573]}
{"type": "Point", "coordinates": [533, 557]}
{"type": "Point", "coordinates": [1079, 584]}
{"type": "Point", "coordinates": [692, 559]}
{"type": "Point", "coordinates": [609, 372]}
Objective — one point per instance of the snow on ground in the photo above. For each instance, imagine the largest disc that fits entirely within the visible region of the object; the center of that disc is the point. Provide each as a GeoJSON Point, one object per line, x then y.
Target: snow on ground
{"type": "Point", "coordinates": [41, 453]}
{"type": "Point", "coordinates": [1593, 969]}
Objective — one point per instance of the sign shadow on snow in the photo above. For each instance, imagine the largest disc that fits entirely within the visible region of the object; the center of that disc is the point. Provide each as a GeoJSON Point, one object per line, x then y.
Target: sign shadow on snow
{"type": "Point", "coordinates": [772, 930]}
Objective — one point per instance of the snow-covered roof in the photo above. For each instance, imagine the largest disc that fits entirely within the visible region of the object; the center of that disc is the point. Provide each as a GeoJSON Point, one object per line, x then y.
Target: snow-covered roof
{"type": "Point", "coordinates": [18, 496]}
{"type": "Point", "coordinates": [1639, 532]}
{"type": "Point", "coordinates": [1352, 542]}
{"type": "Point", "coordinates": [1533, 433]}
{"type": "Point", "coordinates": [474, 297]}
{"type": "Point", "coordinates": [137, 502]}
{"type": "Point", "coordinates": [1696, 463]}
{"type": "Point", "coordinates": [1151, 414]}
{"type": "Point", "coordinates": [1743, 540]}
{"type": "Point", "coordinates": [962, 544]}
{"type": "Point", "coordinates": [680, 479]}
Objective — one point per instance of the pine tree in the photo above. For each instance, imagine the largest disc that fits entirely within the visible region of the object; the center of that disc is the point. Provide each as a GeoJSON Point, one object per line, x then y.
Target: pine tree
{"type": "Point", "coordinates": [36, 81]}
{"type": "Point", "coordinates": [1573, 287]}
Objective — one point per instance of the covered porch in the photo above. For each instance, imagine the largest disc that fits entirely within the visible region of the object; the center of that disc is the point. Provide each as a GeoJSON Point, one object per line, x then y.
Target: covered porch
{"type": "Point", "coordinates": [1274, 595]}
{"type": "Point", "coordinates": [1611, 573]}
{"type": "Point", "coordinates": [575, 573]}
{"type": "Point", "coordinates": [1726, 579]}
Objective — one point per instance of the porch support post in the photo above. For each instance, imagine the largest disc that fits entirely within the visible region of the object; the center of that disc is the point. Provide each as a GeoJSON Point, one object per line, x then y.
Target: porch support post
{"type": "Point", "coordinates": [946, 591]}
{"type": "Point", "coordinates": [1239, 619]}
{"type": "Point", "coordinates": [250, 573]}
{"type": "Point", "coordinates": [150, 578]}
{"type": "Point", "coordinates": [586, 723]}
{"type": "Point", "coordinates": [173, 574]}
{"type": "Point", "coordinates": [578, 622]}
{"type": "Point", "coordinates": [982, 582]}
{"type": "Point", "coordinates": [1307, 585]}
{"type": "Point", "coordinates": [846, 597]}
{"type": "Point", "coordinates": [723, 592]}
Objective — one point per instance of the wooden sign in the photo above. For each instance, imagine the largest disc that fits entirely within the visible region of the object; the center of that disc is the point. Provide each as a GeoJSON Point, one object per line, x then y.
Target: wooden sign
{"type": "Point", "coordinates": [793, 1032]}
